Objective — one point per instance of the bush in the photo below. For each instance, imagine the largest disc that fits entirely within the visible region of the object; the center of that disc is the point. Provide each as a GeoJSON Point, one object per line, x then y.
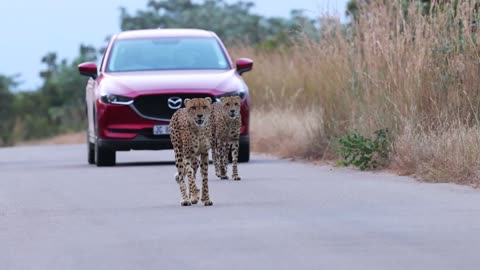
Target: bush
{"type": "Point", "coordinates": [364, 153]}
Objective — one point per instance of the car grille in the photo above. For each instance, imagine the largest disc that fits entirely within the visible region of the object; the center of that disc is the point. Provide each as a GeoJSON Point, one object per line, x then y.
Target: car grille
{"type": "Point", "coordinates": [156, 106]}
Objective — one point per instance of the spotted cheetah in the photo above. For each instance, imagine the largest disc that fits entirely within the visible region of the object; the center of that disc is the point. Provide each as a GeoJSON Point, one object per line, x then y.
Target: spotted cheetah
{"type": "Point", "coordinates": [190, 134]}
{"type": "Point", "coordinates": [226, 123]}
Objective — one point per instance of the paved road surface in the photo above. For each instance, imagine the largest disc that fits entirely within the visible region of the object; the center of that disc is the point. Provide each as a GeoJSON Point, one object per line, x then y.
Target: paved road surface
{"type": "Point", "coordinates": [56, 212]}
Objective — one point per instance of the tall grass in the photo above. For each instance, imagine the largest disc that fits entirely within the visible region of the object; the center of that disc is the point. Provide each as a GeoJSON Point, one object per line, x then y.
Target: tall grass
{"type": "Point", "coordinates": [417, 75]}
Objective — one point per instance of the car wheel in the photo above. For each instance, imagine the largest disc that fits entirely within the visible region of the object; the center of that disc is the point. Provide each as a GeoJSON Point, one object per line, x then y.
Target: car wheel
{"type": "Point", "coordinates": [104, 156]}
{"type": "Point", "coordinates": [90, 152]}
{"type": "Point", "coordinates": [244, 152]}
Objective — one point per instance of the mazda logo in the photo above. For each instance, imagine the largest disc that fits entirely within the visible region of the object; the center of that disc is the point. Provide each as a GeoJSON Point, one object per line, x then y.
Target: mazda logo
{"type": "Point", "coordinates": [174, 103]}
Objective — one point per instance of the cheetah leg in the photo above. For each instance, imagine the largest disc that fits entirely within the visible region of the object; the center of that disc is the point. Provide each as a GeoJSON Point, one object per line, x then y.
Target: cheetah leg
{"type": "Point", "coordinates": [235, 147]}
{"type": "Point", "coordinates": [218, 162]}
{"type": "Point", "coordinates": [180, 162]}
{"type": "Point", "coordinates": [192, 187]}
{"type": "Point", "coordinates": [191, 179]}
{"type": "Point", "coordinates": [204, 171]}
{"type": "Point", "coordinates": [195, 167]}
{"type": "Point", "coordinates": [215, 157]}
{"type": "Point", "coordinates": [222, 156]}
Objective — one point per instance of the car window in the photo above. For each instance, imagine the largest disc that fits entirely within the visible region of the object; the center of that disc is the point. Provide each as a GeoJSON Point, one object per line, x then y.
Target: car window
{"type": "Point", "coordinates": [166, 54]}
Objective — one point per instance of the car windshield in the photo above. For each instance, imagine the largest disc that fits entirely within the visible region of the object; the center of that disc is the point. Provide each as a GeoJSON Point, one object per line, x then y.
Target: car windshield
{"type": "Point", "coordinates": [166, 54]}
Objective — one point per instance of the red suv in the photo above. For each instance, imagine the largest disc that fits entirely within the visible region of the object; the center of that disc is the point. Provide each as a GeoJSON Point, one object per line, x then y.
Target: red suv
{"type": "Point", "coordinates": [143, 79]}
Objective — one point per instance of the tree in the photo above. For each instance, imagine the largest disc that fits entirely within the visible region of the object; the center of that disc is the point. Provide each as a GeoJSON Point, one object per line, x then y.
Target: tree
{"type": "Point", "coordinates": [59, 105]}
{"type": "Point", "coordinates": [234, 23]}
{"type": "Point", "coordinates": [7, 114]}
{"type": "Point", "coordinates": [64, 90]}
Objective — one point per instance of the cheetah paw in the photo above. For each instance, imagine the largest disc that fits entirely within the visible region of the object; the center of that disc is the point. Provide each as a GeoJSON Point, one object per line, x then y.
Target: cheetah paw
{"type": "Point", "coordinates": [236, 178]}
{"type": "Point", "coordinates": [194, 198]}
{"type": "Point", "coordinates": [208, 203]}
{"type": "Point", "coordinates": [186, 203]}
{"type": "Point", "coordinates": [225, 177]}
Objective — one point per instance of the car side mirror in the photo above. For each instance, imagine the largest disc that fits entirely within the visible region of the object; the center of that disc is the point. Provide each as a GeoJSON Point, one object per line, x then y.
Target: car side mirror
{"type": "Point", "coordinates": [88, 69]}
{"type": "Point", "coordinates": [244, 65]}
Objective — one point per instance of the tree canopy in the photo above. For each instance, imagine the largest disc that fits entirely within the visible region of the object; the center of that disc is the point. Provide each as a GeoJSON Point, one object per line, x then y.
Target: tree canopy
{"type": "Point", "coordinates": [234, 23]}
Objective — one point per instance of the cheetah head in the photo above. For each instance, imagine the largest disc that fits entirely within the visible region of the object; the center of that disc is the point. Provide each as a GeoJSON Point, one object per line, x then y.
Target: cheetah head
{"type": "Point", "coordinates": [231, 106]}
{"type": "Point", "coordinates": [198, 110]}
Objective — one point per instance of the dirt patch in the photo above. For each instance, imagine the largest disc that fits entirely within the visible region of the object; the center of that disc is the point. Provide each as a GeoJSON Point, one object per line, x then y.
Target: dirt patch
{"type": "Point", "coordinates": [71, 138]}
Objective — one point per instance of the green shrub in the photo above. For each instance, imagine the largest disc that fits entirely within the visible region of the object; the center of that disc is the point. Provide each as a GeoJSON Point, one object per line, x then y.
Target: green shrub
{"type": "Point", "coordinates": [364, 153]}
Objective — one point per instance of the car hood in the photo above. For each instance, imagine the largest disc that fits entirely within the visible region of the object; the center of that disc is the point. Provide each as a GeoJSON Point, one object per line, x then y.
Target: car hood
{"type": "Point", "coordinates": [132, 84]}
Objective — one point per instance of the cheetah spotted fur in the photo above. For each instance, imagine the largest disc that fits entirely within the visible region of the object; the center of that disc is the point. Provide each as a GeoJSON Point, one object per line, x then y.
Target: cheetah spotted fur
{"type": "Point", "coordinates": [226, 122]}
{"type": "Point", "coordinates": [190, 134]}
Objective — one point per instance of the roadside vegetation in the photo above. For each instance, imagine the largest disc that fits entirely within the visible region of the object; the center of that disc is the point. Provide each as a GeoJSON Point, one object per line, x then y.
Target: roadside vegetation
{"type": "Point", "coordinates": [398, 86]}
{"type": "Point", "coordinates": [410, 68]}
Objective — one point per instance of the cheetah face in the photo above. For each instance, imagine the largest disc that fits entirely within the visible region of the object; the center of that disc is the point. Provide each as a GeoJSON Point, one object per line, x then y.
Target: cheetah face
{"type": "Point", "coordinates": [231, 106]}
{"type": "Point", "coordinates": [199, 110]}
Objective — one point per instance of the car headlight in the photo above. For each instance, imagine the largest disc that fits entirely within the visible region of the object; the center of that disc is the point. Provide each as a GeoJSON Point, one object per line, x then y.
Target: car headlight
{"type": "Point", "coordinates": [240, 93]}
{"type": "Point", "coordinates": [116, 99]}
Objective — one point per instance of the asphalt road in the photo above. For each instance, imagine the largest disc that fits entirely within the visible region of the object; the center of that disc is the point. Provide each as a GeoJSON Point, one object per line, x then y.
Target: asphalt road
{"type": "Point", "coordinates": [56, 212]}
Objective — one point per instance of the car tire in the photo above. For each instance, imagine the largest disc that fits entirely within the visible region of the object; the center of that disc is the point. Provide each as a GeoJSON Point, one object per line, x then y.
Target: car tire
{"type": "Point", "coordinates": [104, 157]}
{"type": "Point", "coordinates": [90, 152]}
{"type": "Point", "coordinates": [244, 152]}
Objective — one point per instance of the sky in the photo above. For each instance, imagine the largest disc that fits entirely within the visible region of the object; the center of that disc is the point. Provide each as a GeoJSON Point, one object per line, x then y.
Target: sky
{"type": "Point", "coordinates": [32, 28]}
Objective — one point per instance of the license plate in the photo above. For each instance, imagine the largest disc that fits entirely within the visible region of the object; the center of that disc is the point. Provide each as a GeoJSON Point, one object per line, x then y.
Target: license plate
{"type": "Point", "coordinates": [161, 130]}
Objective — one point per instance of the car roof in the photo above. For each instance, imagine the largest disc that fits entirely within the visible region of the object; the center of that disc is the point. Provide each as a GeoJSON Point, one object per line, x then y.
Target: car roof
{"type": "Point", "coordinates": [158, 33]}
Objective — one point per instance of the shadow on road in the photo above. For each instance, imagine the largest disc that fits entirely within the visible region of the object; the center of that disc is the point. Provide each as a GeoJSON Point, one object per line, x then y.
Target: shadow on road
{"type": "Point", "coordinates": [171, 162]}
{"type": "Point", "coordinates": [146, 163]}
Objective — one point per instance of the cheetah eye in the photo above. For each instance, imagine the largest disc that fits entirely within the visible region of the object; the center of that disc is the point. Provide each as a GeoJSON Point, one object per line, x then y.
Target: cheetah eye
{"type": "Point", "coordinates": [194, 108]}
{"type": "Point", "coordinates": [204, 107]}
{"type": "Point", "coordinates": [236, 103]}
{"type": "Point", "coordinates": [228, 104]}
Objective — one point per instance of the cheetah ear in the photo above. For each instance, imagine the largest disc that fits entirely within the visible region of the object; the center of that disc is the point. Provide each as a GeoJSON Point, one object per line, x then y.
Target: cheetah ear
{"type": "Point", "coordinates": [221, 99]}
{"type": "Point", "coordinates": [238, 98]}
{"type": "Point", "coordinates": [209, 100]}
{"type": "Point", "coordinates": [186, 101]}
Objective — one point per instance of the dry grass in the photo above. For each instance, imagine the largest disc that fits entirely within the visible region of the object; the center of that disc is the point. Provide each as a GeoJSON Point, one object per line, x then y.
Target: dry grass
{"type": "Point", "coordinates": [449, 155]}
{"type": "Point", "coordinates": [415, 75]}
{"type": "Point", "coordinates": [295, 135]}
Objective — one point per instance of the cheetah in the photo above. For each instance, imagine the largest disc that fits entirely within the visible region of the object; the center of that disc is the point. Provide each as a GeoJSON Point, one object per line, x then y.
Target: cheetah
{"type": "Point", "coordinates": [226, 123]}
{"type": "Point", "coordinates": [190, 135]}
